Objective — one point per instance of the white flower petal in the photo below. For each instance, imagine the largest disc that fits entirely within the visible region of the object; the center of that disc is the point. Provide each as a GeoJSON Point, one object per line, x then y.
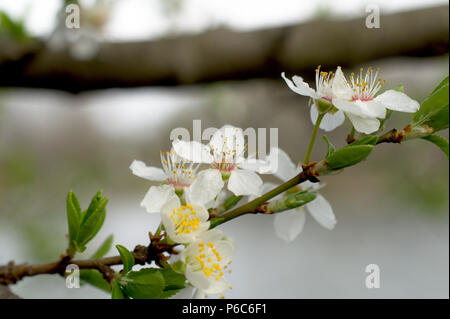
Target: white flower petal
{"type": "Point", "coordinates": [340, 87]}
{"type": "Point", "coordinates": [151, 173]}
{"type": "Point", "coordinates": [300, 87]}
{"type": "Point", "coordinates": [398, 101]}
{"type": "Point", "coordinates": [330, 121]}
{"type": "Point", "coordinates": [245, 182]}
{"type": "Point", "coordinates": [364, 125]}
{"type": "Point", "coordinates": [197, 278]}
{"type": "Point", "coordinates": [289, 224]}
{"type": "Point", "coordinates": [199, 294]}
{"type": "Point", "coordinates": [228, 139]}
{"type": "Point", "coordinates": [282, 165]}
{"type": "Point", "coordinates": [188, 292]}
{"type": "Point", "coordinates": [255, 165]}
{"type": "Point", "coordinates": [193, 151]}
{"type": "Point", "coordinates": [156, 197]}
{"type": "Point", "coordinates": [322, 212]}
{"type": "Point", "coordinates": [205, 187]}
{"type": "Point", "coordinates": [217, 286]}
{"type": "Point", "coordinates": [370, 109]}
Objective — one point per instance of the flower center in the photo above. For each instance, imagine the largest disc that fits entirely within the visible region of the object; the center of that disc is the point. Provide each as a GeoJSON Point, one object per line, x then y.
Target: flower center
{"type": "Point", "coordinates": [208, 259]}
{"type": "Point", "coordinates": [365, 86]}
{"type": "Point", "coordinates": [180, 174]}
{"type": "Point", "coordinates": [185, 219]}
{"type": "Point", "coordinates": [324, 81]}
{"type": "Point", "coordinates": [226, 156]}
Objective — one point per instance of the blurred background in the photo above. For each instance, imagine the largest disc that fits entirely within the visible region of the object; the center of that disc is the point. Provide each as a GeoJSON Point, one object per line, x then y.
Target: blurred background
{"type": "Point", "coordinates": [77, 106]}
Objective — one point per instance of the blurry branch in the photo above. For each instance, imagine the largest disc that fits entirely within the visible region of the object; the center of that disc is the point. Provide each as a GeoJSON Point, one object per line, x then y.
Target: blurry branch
{"type": "Point", "coordinates": [5, 293]}
{"type": "Point", "coordinates": [223, 54]}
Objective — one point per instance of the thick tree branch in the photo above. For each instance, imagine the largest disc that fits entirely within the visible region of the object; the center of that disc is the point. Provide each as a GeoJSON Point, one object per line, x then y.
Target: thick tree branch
{"type": "Point", "coordinates": [224, 54]}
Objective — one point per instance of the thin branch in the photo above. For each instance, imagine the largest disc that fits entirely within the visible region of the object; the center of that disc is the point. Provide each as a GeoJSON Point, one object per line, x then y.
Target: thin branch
{"type": "Point", "coordinates": [258, 205]}
{"type": "Point", "coordinates": [11, 273]}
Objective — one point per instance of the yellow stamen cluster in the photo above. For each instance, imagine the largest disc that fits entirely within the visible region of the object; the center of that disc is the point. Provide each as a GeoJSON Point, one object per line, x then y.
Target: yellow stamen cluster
{"type": "Point", "coordinates": [185, 219]}
{"type": "Point", "coordinates": [324, 81]}
{"type": "Point", "coordinates": [209, 258]}
{"type": "Point", "coordinates": [225, 158]}
{"type": "Point", "coordinates": [365, 86]}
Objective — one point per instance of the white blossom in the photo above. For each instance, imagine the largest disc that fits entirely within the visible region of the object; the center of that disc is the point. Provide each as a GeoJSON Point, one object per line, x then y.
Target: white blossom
{"type": "Point", "coordinates": [176, 175]}
{"type": "Point", "coordinates": [207, 259]}
{"type": "Point", "coordinates": [356, 98]}
{"type": "Point", "coordinates": [184, 223]}
{"type": "Point", "coordinates": [225, 154]}
{"type": "Point", "coordinates": [324, 80]}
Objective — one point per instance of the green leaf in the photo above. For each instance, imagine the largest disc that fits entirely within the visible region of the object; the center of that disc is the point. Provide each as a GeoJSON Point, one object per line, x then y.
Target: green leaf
{"type": "Point", "coordinates": [179, 267]}
{"type": "Point", "coordinates": [92, 222]}
{"type": "Point", "coordinates": [434, 111]}
{"type": "Point", "coordinates": [73, 216]}
{"type": "Point", "coordinates": [443, 83]}
{"type": "Point", "coordinates": [367, 140]}
{"type": "Point", "coordinates": [93, 204]}
{"type": "Point", "coordinates": [104, 248]}
{"type": "Point", "coordinates": [331, 147]}
{"type": "Point", "coordinates": [147, 283]}
{"type": "Point", "coordinates": [117, 292]}
{"type": "Point", "coordinates": [127, 258]}
{"type": "Point", "coordinates": [348, 156]}
{"type": "Point", "coordinates": [174, 282]}
{"type": "Point", "coordinates": [95, 278]}
{"type": "Point", "coordinates": [440, 142]}
{"type": "Point", "coordinates": [231, 201]}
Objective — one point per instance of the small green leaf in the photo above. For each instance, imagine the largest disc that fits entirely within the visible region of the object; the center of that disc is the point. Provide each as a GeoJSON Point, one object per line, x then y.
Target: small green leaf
{"type": "Point", "coordinates": [434, 111]}
{"type": "Point", "coordinates": [440, 142]}
{"type": "Point", "coordinates": [73, 216]}
{"type": "Point", "coordinates": [443, 83]}
{"type": "Point", "coordinates": [117, 292]}
{"type": "Point", "coordinates": [331, 147]}
{"type": "Point", "coordinates": [367, 140]}
{"type": "Point", "coordinates": [147, 283]}
{"type": "Point", "coordinates": [231, 201]}
{"type": "Point", "coordinates": [104, 248]}
{"type": "Point", "coordinates": [127, 258]}
{"type": "Point", "coordinates": [348, 156]}
{"type": "Point", "coordinates": [92, 223]}
{"type": "Point", "coordinates": [179, 267]}
{"type": "Point", "coordinates": [93, 204]}
{"type": "Point", "coordinates": [174, 282]}
{"type": "Point", "coordinates": [95, 278]}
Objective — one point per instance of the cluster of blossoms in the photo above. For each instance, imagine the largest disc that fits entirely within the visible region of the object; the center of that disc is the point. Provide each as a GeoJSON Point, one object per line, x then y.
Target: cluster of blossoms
{"type": "Point", "coordinates": [337, 97]}
{"type": "Point", "coordinates": [187, 195]}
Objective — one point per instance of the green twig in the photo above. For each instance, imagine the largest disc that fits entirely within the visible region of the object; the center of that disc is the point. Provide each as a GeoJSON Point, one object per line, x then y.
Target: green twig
{"type": "Point", "coordinates": [313, 138]}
